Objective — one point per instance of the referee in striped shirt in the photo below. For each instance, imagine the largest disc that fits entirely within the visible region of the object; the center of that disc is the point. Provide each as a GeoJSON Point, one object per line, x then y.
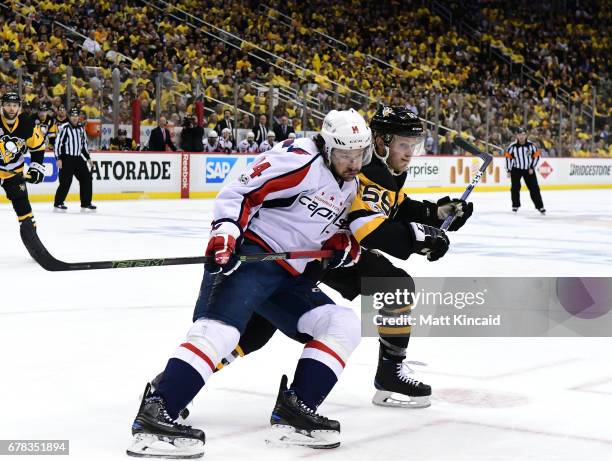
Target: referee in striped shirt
{"type": "Point", "coordinates": [73, 159]}
{"type": "Point", "coordinates": [522, 157]}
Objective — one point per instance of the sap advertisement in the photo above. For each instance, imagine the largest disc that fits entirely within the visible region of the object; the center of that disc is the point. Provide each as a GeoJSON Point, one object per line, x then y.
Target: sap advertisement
{"type": "Point", "coordinates": [209, 172]}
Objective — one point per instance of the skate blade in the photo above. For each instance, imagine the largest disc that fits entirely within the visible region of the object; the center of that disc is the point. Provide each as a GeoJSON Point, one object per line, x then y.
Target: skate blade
{"type": "Point", "coordinates": [59, 210]}
{"type": "Point", "coordinates": [87, 210]}
{"type": "Point", "coordinates": [287, 436]}
{"type": "Point", "coordinates": [386, 399]}
{"type": "Point", "coordinates": [154, 446]}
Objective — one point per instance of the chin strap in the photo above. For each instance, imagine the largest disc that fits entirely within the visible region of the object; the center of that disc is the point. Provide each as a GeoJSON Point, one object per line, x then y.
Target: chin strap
{"type": "Point", "coordinates": [384, 159]}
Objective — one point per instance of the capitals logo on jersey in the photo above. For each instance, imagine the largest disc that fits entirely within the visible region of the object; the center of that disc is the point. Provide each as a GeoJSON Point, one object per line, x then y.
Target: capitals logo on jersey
{"type": "Point", "coordinates": [11, 148]}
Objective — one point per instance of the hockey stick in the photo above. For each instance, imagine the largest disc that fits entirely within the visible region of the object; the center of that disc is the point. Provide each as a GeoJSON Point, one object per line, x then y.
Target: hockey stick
{"type": "Point", "coordinates": [486, 160]}
{"type": "Point", "coordinates": [47, 261]}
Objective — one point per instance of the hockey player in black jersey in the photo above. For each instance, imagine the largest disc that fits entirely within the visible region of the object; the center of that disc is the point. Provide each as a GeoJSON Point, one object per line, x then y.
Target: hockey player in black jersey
{"type": "Point", "coordinates": [18, 136]}
{"type": "Point", "coordinates": [383, 218]}
{"type": "Point", "coordinates": [46, 123]}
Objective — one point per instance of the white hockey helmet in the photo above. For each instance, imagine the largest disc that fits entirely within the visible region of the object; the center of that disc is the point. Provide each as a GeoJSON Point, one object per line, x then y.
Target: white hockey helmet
{"type": "Point", "coordinates": [213, 134]}
{"type": "Point", "coordinates": [347, 130]}
{"type": "Point", "coordinates": [250, 135]}
{"type": "Point", "coordinates": [226, 130]}
{"type": "Point", "coordinates": [291, 136]}
{"type": "Point", "coordinates": [271, 134]}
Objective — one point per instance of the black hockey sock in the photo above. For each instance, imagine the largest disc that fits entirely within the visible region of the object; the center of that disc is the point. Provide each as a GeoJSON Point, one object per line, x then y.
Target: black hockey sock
{"type": "Point", "coordinates": [180, 383]}
{"type": "Point", "coordinates": [395, 332]}
{"type": "Point", "coordinates": [394, 347]}
{"type": "Point", "coordinates": [257, 333]}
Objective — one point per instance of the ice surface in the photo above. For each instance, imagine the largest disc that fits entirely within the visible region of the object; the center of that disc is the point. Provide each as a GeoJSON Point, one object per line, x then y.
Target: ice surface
{"type": "Point", "coordinates": [76, 348]}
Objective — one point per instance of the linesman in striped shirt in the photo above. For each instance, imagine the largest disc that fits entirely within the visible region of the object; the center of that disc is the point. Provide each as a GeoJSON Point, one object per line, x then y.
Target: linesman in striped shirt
{"type": "Point", "coordinates": [522, 157]}
{"type": "Point", "coordinates": [73, 159]}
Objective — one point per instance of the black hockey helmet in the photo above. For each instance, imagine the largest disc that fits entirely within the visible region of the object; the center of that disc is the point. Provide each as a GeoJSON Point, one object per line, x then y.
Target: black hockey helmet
{"type": "Point", "coordinates": [520, 129]}
{"type": "Point", "coordinates": [390, 121]}
{"type": "Point", "coordinates": [43, 106]}
{"type": "Point", "coordinates": [396, 120]}
{"type": "Point", "coordinates": [11, 96]}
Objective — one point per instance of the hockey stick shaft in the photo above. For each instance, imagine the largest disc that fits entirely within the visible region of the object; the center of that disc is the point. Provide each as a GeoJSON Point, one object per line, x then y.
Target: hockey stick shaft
{"type": "Point", "coordinates": [486, 160]}
{"type": "Point", "coordinates": [47, 261]}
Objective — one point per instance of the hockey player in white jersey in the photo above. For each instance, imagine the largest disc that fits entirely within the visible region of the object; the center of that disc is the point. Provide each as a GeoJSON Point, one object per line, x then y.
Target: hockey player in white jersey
{"type": "Point", "coordinates": [248, 145]}
{"type": "Point", "coordinates": [268, 143]}
{"type": "Point", "coordinates": [211, 143]}
{"type": "Point", "coordinates": [226, 141]}
{"type": "Point", "coordinates": [294, 197]}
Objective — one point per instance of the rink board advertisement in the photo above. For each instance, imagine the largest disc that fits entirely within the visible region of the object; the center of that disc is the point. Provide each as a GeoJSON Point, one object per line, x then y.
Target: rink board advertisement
{"type": "Point", "coordinates": [129, 175]}
{"type": "Point", "coordinates": [118, 175]}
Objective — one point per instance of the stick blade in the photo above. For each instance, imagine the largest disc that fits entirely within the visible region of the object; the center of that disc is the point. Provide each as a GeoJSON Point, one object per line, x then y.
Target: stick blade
{"type": "Point", "coordinates": [37, 250]}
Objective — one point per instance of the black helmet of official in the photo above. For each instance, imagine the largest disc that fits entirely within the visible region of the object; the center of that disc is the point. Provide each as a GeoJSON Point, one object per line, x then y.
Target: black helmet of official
{"type": "Point", "coordinates": [520, 130]}
{"type": "Point", "coordinates": [11, 96]}
{"type": "Point", "coordinates": [396, 120]}
{"type": "Point", "coordinates": [74, 112]}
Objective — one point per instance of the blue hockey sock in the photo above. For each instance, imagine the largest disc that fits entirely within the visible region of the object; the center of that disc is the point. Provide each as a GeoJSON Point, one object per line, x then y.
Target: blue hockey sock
{"type": "Point", "coordinates": [312, 381]}
{"type": "Point", "coordinates": [180, 383]}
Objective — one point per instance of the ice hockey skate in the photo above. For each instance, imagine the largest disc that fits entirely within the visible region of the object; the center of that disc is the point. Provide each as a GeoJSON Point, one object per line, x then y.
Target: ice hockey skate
{"type": "Point", "coordinates": [395, 387]}
{"type": "Point", "coordinates": [157, 435]}
{"type": "Point", "coordinates": [295, 424]}
{"type": "Point", "coordinates": [184, 413]}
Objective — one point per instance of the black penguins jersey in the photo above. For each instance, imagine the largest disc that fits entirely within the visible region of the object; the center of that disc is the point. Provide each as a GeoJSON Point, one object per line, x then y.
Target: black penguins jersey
{"type": "Point", "coordinates": [48, 128]}
{"type": "Point", "coordinates": [381, 213]}
{"type": "Point", "coordinates": [15, 141]}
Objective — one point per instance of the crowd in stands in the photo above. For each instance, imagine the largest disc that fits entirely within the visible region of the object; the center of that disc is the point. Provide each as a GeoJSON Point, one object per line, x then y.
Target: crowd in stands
{"type": "Point", "coordinates": [390, 52]}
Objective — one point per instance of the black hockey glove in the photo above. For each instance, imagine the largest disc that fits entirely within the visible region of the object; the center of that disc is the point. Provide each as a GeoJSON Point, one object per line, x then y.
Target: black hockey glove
{"type": "Point", "coordinates": [462, 209]}
{"type": "Point", "coordinates": [429, 241]}
{"type": "Point", "coordinates": [35, 173]}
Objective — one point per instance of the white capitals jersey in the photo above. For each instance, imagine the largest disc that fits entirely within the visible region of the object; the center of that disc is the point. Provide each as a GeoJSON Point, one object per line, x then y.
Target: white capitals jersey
{"type": "Point", "coordinates": [266, 146]}
{"type": "Point", "coordinates": [287, 200]}
{"type": "Point", "coordinates": [226, 145]}
{"type": "Point", "coordinates": [245, 147]}
{"type": "Point", "coordinates": [211, 147]}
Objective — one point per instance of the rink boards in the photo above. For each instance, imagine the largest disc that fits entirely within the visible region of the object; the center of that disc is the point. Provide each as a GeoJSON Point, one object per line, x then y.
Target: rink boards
{"type": "Point", "coordinates": [131, 175]}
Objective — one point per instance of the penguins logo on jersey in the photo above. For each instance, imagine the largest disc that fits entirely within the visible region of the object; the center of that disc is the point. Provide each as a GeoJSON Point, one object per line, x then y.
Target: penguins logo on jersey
{"type": "Point", "coordinates": [10, 148]}
{"type": "Point", "coordinates": [43, 128]}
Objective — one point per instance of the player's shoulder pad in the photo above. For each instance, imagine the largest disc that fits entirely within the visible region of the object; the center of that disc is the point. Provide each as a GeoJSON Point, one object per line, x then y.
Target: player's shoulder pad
{"type": "Point", "coordinates": [295, 152]}
{"type": "Point", "coordinates": [26, 121]}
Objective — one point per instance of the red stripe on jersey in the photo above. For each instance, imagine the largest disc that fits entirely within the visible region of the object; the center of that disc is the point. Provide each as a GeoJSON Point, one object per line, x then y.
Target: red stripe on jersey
{"type": "Point", "coordinates": [322, 347]}
{"type": "Point", "coordinates": [199, 353]}
{"type": "Point", "coordinates": [258, 240]}
{"type": "Point", "coordinates": [297, 150]}
{"type": "Point", "coordinates": [257, 196]}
